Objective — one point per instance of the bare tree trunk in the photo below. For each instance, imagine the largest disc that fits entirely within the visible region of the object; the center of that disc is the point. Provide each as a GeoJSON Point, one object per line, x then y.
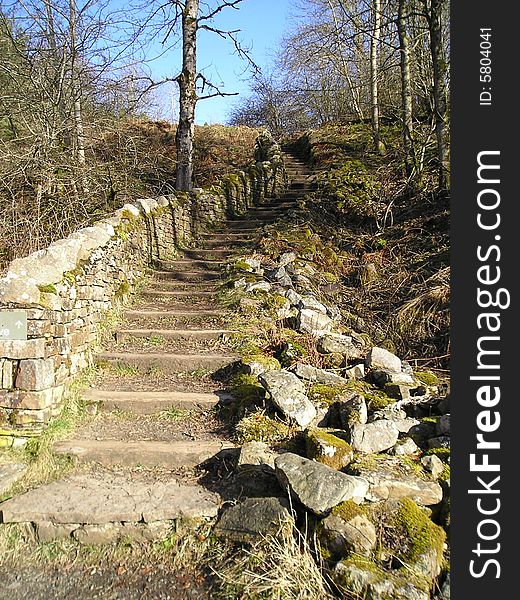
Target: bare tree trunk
{"type": "Point", "coordinates": [406, 89]}
{"type": "Point", "coordinates": [345, 68]}
{"type": "Point", "coordinates": [434, 17]}
{"type": "Point", "coordinates": [374, 78]}
{"type": "Point", "coordinates": [79, 133]}
{"type": "Point", "coordinates": [188, 96]}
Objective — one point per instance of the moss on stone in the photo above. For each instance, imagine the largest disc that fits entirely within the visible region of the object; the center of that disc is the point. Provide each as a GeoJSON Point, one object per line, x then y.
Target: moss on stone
{"type": "Point", "coordinates": [259, 427]}
{"type": "Point", "coordinates": [326, 394]}
{"type": "Point", "coordinates": [376, 399]}
{"type": "Point", "coordinates": [427, 377]}
{"type": "Point", "coordinates": [242, 265]}
{"type": "Point", "coordinates": [348, 510]}
{"type": "Point", "coordinates": [412, 534]}
{"type": "Point", "coordinates": [48, 289]}
{"type": "Point", "coordinates": [268, 362]}
{"type": "Point", "coordinates": [339, 452]}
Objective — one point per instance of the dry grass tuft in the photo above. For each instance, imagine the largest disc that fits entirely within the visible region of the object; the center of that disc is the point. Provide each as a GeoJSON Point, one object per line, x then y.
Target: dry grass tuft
{"type": "Point", "coordinates": [278, 568]}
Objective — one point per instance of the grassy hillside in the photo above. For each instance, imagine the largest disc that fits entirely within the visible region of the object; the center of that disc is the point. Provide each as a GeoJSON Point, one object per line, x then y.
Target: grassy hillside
{"type": "Point", "coordinates": [41, 203]}
{"type": "Point", "coordinates": [392, 239]}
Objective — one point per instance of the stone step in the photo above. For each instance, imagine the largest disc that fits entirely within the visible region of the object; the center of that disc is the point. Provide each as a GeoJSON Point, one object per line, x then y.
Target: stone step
{"type": "Point", "coordinates": [147, 403]}
{"type": "Point", "coordinates": [252, 224]}
{"type": "Point", "coordinates": [185, 287]}
{"type": "Point", "coordinates": [219, 249]}
{"type": "Point", "coordinates": [189, 276]}
{"type": "Point", "coordinates": [169, 455]}
{"type": "Point", "coordinates": [156, 292]}
{"type": "Point", "coordinates": [102, 498]}
{"type": "Point", "coordinates": [190, 264]}
{"type": "Point", "coordinates": [164, 360]}
{"type": "Point", "coordinates": [174, 313]}
{"type": "Point", "coordinates": [172, 334]}
{"type": "Point", "coordinates": [221, 234]}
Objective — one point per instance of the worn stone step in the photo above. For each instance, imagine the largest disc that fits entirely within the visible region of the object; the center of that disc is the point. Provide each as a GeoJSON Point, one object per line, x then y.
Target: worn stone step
{"type": "Point", "coordinates": [172, 334]}
{"type": "Point", "coordinates": [165, 360]}
{"type": "Point", "coordinates": [221, 234]}
{"type": "Point", "coordinates": [190, 264]}
{"type": "Point", "coordinates": [157, 292]}
{"type": "Point", "coordinates": [219, 250]}
{"type": "Point", "coordinates": [191, 276]}
{"type": "Point", "coordinates": [185, 287]}
{"type": "Point", "coordinates": [174, 313]}
{"type": "Point", "coordinates": [102, 498]}
{"type": "Point", "coordinates": [169, 455]}
{"type": "Point", "coordinates": [146, 403]}
{"type": "Point", "coordinates": [252, 224]}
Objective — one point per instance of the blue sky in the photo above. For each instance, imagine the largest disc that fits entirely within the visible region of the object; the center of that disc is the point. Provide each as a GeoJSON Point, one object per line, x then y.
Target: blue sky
{"type": "Point", "coordinates": [262, 24]}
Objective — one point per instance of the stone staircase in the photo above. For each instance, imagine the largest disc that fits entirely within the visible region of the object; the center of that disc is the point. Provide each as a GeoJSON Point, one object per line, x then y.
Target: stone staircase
{"type": "Point", "coordinates": [140, 457]}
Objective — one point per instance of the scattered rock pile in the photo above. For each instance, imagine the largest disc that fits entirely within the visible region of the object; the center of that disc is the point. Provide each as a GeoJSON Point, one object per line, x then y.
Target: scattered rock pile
{"type": "Point", "coordinates": [368, 463]}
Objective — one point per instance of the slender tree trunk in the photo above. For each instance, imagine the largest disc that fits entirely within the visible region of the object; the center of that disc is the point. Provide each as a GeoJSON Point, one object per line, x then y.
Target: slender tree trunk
{"type": "Point", "coordinates": [79, 132]}
{"type": "Point", "coordinates": [406, 89]}
{"type": "Point", "coordinates": [439, 86]}
{"type": "Point", "coordinates": [374, 78]}
{"type": "Point", "coordinates": [345, 67]}
{"type": "Point", "coordinates": [188, 97]}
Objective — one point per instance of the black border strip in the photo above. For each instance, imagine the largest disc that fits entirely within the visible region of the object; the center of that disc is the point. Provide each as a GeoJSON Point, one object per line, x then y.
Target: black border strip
{"type": "Point", "coordinates": [477, 127]}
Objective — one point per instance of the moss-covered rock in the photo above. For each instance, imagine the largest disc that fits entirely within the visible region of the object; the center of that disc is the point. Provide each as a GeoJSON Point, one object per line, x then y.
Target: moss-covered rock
{"type": "Point", "coordinates": [255, 364]}
{"type": "Point", "coordinates": [320, 393]}
{"type": "Point", "coordinates": [259, 427]}
{"type": "Point", "coordinates": [327, 447]}
{"type": "Point", "coordinates": [411, 536]}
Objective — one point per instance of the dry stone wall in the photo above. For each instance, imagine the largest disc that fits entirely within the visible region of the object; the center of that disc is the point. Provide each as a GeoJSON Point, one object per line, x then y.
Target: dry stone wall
{"type": "Point", "coordinates": [67, 289]}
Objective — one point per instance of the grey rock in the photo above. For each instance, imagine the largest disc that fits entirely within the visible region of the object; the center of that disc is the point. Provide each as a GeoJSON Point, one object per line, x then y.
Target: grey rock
{"type": "Point", "coordinates": [48, 265]}
{"type": "Point", "coordinates": [253, 263]}
{"type": "Point", "coordinates": [18, 290]}
{"type": "Point", "coordinates": [310, 302]}
{"type": "Point", "coordinates": [254, 519]}
{"type": "Point", "coordinates": [357, 372]}
{"type": "Point", "coordinates": [257, 454]}
{"type": "Point", "coordinates": [252, 366]}
{"type": "Point", "coordinates": [257, 286]}
{"type": "Point", "coordinates": [288, 395]}
{"type": "Point", "coordinates": [352, 408]}
{"type": "Point", "coordinates": [403, 423]}
{"type": "Point", "coordinates": [293, 297]}
{"type": "Point", "coordinates": [392, 479]}
{"type": "Point", "coordinates": [310, 373]}
{"type": "Point", "coordinates": [383, 377]}
{"type": "Point", "coordinates": [433, 464]}
{"type": "Point", "coordinates": [341, 537]}
{"type": "Point", "coordinates": [373, 437]}
{"type": "Point", "coordinates": [318, 487]}
{"type": "Point", "coordinates": [240, 283]}
{"type": "Point", "coordinates": [391, 412]}
{"type": "Point", "coordinates": [380, 358]}
{"type": "Point", "coordinates": [286, 258]}
{"type": "Point", "coordinates": [315, 323]}
{"type": "Point", "coordinates": [404, 447]}
{"type": "Point", "coordinates": [443, 425]}
{"type": "Point", "coordinates": [10, 473]}
{"type": "Point", "coordinates": [342, 344]}
{"type": "Point", "coordinates": [373, 585]}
